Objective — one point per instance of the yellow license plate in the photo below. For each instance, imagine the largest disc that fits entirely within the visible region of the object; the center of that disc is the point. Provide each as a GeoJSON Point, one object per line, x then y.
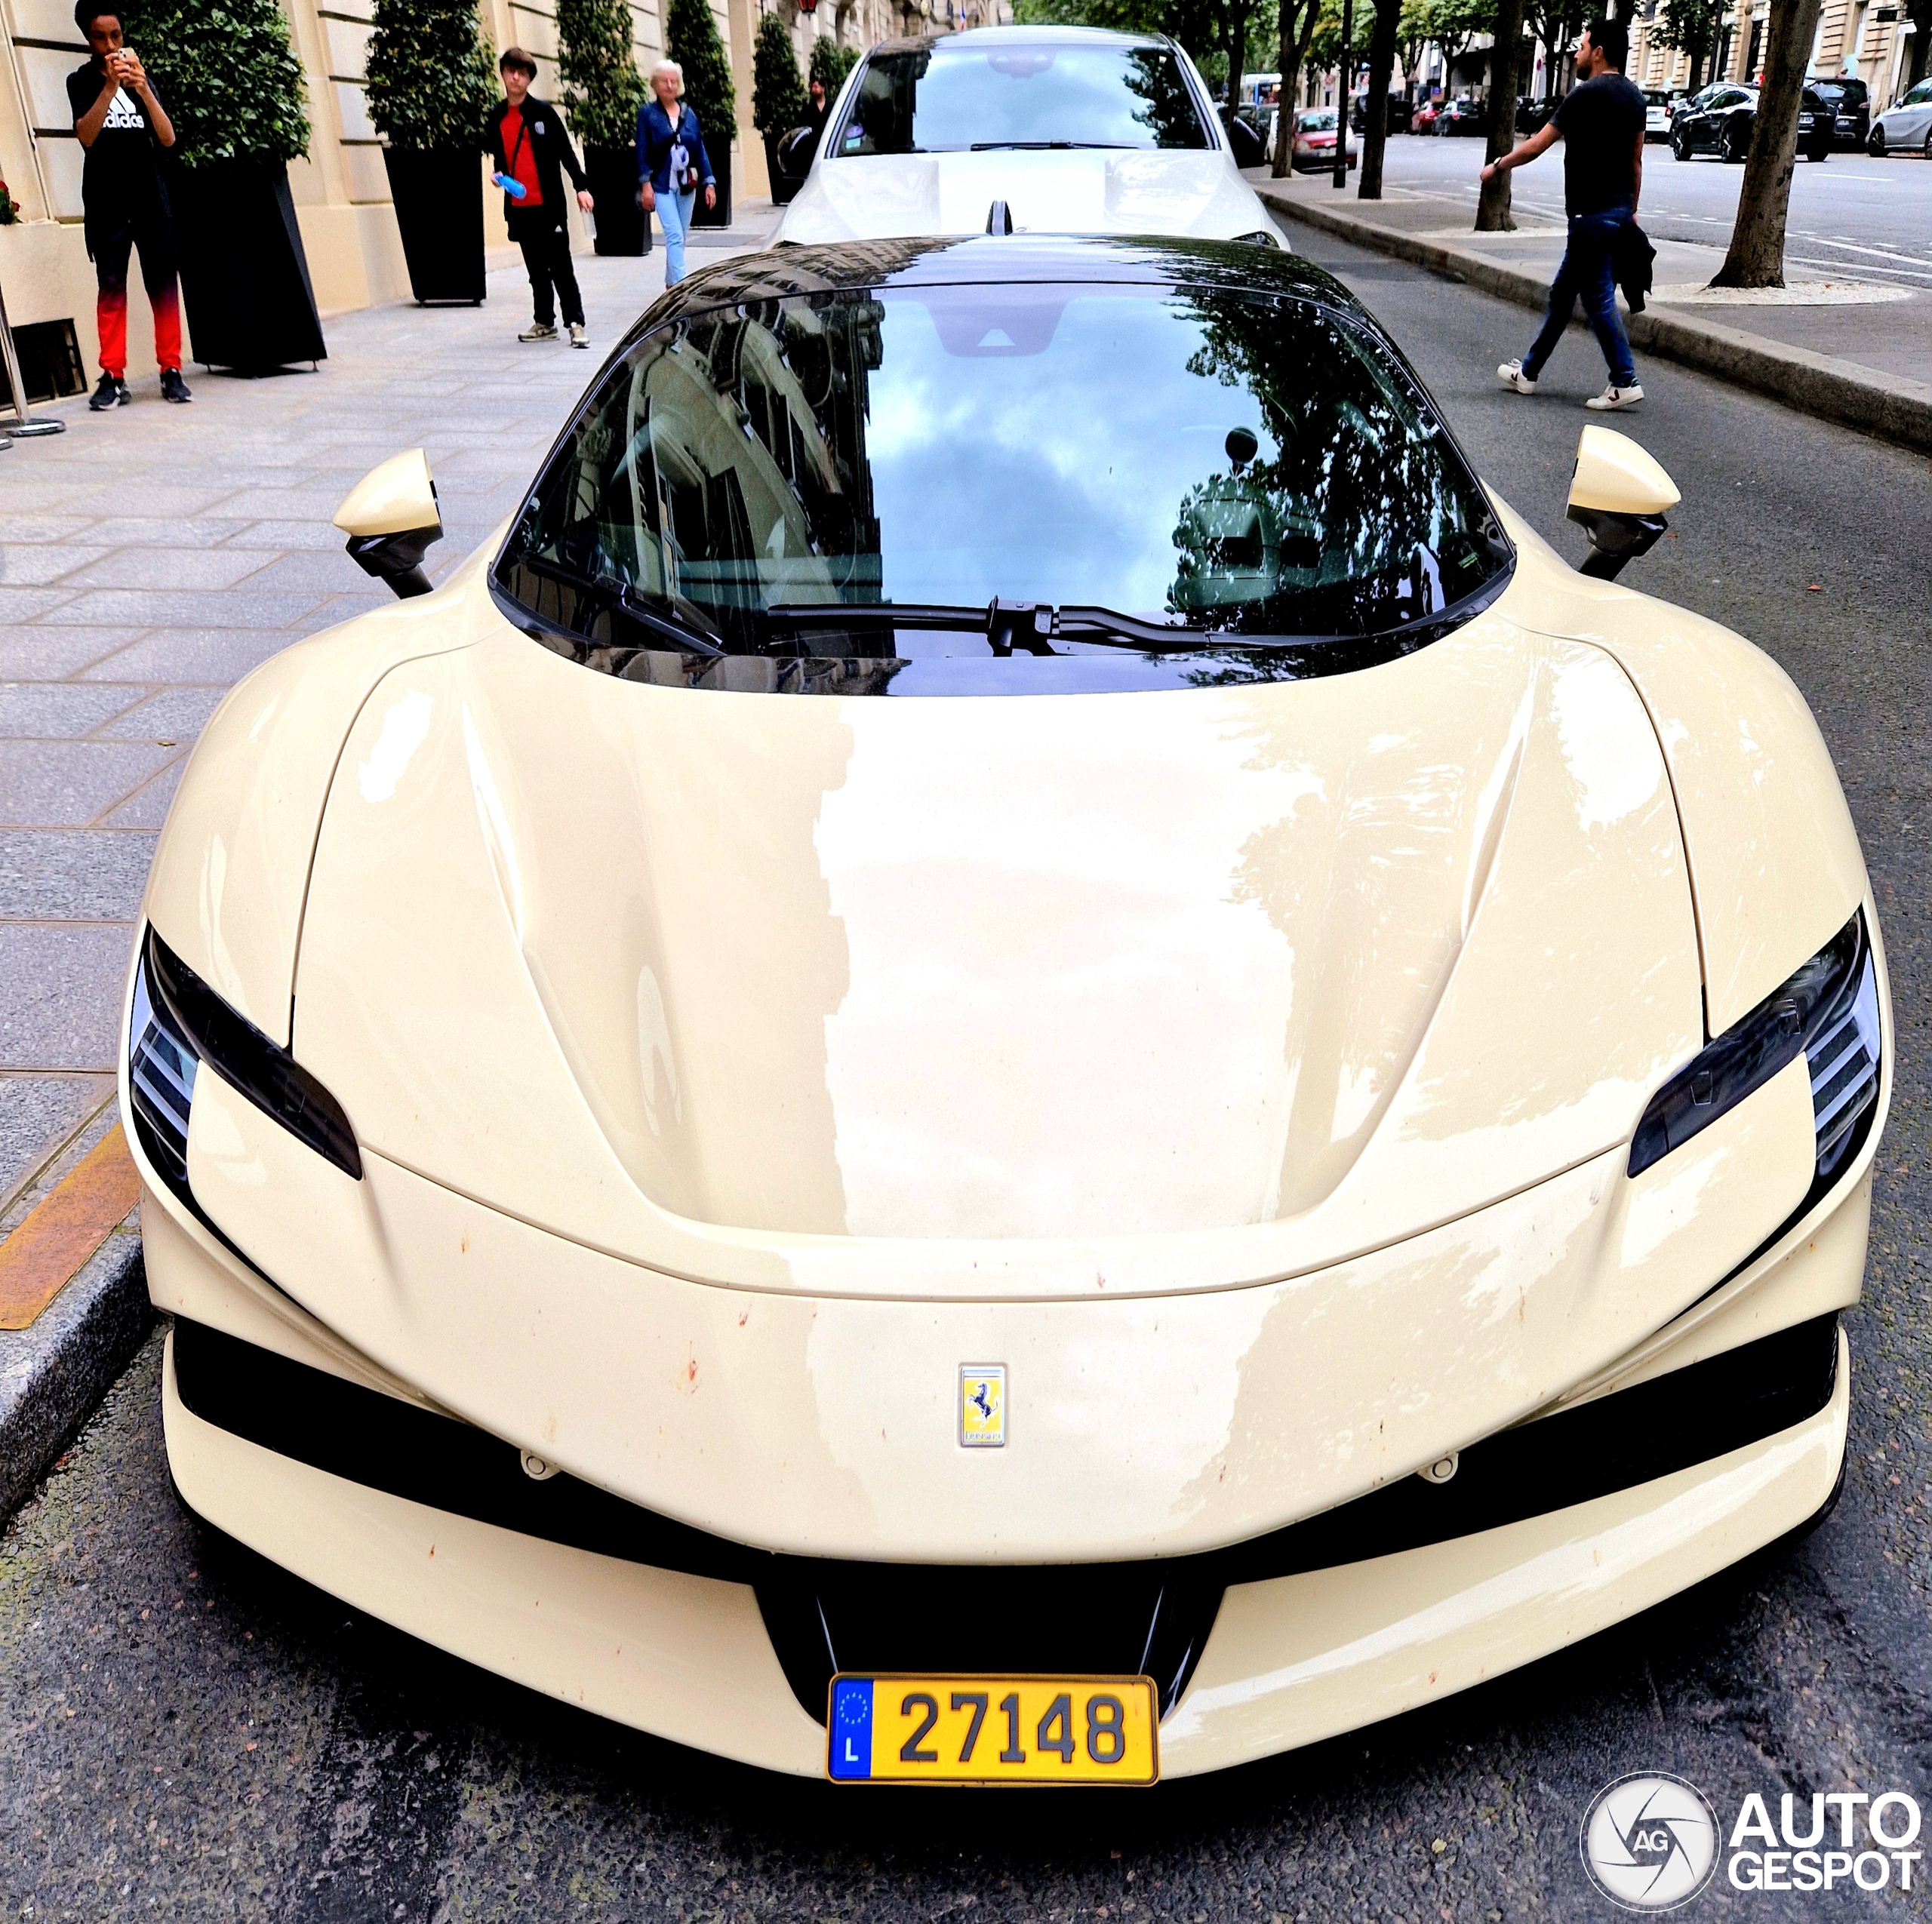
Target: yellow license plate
{"type": "Point", "coordinates": [993, 1730]}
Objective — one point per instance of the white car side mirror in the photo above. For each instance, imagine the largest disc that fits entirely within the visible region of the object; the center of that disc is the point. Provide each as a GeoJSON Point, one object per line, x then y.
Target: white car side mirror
{"type": "Point", "coordinates": [391, 516]}
{"type": "Point", "coordinates": [1618, 496]}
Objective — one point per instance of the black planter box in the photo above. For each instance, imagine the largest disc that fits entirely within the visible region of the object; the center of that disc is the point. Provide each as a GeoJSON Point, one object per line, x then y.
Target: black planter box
{"type": "Point", "coordinates": [244, 277]}
{"type": "Point", "coordinates": [438, 200]}
{"type": "Point", "coordinates": [619, 219]}
{"type": "Point", "coordinates": [720, 216]}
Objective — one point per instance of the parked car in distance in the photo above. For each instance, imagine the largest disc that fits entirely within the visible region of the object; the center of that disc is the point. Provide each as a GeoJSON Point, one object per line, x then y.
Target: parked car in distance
{"type": "Point", "coordinates": [1533, 116]}
{"type": "Point", "coordinates": [1906, 127]}
{"type": "Point", "coordinates": [1462, 115]}
{"type": "Point", "coordinates": [1657, 113]}
{"type": "Point", "coordinates": [1423, 120]}
{"type": "Point", "coordinates": [1851, 105]}
{"type": "Point", "coordinates": [1314, 146]}
{"type": "Point", "coordinates": [1719, 120]}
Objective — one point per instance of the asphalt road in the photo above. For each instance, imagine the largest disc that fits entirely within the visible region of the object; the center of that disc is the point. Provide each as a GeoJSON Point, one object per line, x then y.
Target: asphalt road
{"type": "Point", "coordinates": [186, 1732]}
{"type": "Point", "coordinates": [1850, 214]}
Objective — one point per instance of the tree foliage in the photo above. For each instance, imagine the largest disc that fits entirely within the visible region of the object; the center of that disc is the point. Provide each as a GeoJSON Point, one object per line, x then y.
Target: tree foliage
{"type": "Point", "coordinates": [778, 101]}
{"type": "Point", "coordinates": [1559, 24]}
{"type": "Point", "coordinates": [227, 75]}
{"type": "Point", "coordinates": [602, 88]}
{"type": "Point", "coordinates": [1691, 27]}
{"type": "Point", "coordinates": [690, 39]}
{"type": "Point", "coordinates": [432, 75]}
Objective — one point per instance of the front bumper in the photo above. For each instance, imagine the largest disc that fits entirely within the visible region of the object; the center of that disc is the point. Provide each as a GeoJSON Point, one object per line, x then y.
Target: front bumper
{"type": "Point", "coordinates": [690, 1654]}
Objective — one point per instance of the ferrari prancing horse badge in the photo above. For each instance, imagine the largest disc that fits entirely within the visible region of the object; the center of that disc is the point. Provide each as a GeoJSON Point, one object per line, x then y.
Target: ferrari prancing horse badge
{"type": "Point", "coordinates": [982, 1406]}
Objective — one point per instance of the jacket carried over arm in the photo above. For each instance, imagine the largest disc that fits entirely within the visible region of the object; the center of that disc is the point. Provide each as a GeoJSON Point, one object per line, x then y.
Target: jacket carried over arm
{"type": "Point", "coordinates": [656, 137]}
{"type": "Point", "coordinates": [543, 127]}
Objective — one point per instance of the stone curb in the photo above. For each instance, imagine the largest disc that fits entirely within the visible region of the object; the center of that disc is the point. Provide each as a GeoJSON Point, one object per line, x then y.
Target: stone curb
{"type": "Point", "coordinates": [1889, 406]}
{"type": "Point", "coordinates": [57, 1369]}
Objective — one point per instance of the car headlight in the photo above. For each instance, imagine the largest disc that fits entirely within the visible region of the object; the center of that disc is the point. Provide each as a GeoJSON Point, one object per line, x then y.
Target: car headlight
{"type": "Point", "coordinates": [180, 1023]}
{"type": "Point", "coordinates": [1829, 1011]}
{"type": "Point", "coordinates": [1260, 237]}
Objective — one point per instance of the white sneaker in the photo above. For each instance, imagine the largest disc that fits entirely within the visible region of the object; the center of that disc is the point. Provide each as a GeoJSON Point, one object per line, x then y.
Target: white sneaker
{"type": "Point", "coordinates": [577, 337]}
{"type": "Point", "coordinates": [1512, 375]}
{"type": "Point", "coordinates": [1614, 396]}
{"type": "Point", "coordinates": [538, 330]}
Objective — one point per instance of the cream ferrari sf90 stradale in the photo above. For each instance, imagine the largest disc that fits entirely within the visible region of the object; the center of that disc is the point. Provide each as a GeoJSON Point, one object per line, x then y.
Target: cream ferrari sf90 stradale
{"type": "Point", "coordinates": [1016, 1052]}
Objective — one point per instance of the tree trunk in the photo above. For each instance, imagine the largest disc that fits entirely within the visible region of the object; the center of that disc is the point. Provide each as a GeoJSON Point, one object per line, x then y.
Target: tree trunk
{"type": "Point", "coordinates": [1756, 257]}
{"type": "Point", "coordinates": [1293, 54]}
{"type": "Point", "coordinates": [1375, 108]}
{"type": "Point", "coordinates": [1492, 214]}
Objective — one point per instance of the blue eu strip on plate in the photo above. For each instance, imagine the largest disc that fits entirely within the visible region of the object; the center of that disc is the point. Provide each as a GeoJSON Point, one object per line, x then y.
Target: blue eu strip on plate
{"type": "Point", "coordinates": [852, 1727]}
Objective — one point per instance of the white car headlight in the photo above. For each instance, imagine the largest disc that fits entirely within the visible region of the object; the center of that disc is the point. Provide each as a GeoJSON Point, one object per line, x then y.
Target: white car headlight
{"type": "Point", "coordinates": [1829, 1010]}
{"type": "Point", "coordinates": [178, 1023]}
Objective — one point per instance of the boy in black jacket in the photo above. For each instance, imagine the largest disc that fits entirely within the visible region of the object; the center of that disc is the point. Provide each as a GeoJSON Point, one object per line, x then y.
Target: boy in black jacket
{"type": "Point", "coordinates": [533, 149]}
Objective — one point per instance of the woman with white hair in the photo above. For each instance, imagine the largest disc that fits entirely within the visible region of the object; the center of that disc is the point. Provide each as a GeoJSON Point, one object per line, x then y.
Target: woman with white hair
{"type": "Point", "coordinates": [672, 164]}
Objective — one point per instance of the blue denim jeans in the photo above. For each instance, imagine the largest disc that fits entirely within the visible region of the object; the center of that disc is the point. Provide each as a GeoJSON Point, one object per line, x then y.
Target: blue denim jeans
{"type": "Point", "coordinates": [1588, 270]}
{"type": "Point", "coordinates": [674, 211]}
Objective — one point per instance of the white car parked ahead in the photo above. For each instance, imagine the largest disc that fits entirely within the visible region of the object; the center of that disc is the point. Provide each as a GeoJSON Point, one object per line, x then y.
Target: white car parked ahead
{"type": "Point", "coordinates": [1905, 127]}
{"type": "Point", "coordinates": [1042, 130]}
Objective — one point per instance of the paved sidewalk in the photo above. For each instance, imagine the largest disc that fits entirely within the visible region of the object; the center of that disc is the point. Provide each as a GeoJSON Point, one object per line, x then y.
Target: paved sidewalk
{"type": "Point", "coordinates": [151, 557]}
{"type": "Point", "coordinates": [1815, 344]}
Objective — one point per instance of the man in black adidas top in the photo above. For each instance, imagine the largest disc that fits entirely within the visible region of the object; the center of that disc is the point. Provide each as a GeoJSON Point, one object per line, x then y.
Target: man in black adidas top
{"type": "Point", "coordinates": [125, 201]}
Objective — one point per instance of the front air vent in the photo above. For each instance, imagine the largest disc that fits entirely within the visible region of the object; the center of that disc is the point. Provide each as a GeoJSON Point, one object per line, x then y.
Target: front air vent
{"type": "Point", "coordinates": [160, 1078]}
{"type": "Point", "coordinates": [1844, 1058]}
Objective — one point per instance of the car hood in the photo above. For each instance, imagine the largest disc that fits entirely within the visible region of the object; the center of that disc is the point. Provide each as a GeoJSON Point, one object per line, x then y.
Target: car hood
{"type": "Point", "coordinates": [1197, 195]}
{"type": "Point", "coordinates": [1138, 992]}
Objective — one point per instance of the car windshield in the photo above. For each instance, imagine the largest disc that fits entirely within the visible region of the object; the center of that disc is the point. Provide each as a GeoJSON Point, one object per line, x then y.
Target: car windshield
{"type": "Point", "coordinates": [949, 99]}
{"type": "Point", "coordinates": [1237, 481]}
{"type": "Point", "coordinates": [1323, 122]}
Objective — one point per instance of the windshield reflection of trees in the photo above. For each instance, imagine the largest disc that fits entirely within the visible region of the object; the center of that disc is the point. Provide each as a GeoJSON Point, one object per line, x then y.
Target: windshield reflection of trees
{"type": "Point", "coordinates": [1358, 521]}
{"type": "Point", "coordinates": [1168, 110]}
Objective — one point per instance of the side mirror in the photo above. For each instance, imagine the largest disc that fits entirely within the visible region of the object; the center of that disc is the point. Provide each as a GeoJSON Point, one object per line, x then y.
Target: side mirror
{"type": "Point", "coordinates": [793, 153]}
{"type": "Point", "coordinates": [1245, 143]}
{"type": "Point", "coordinates": [1618, 496]}
{"type": "Point", "coordinates": [390, 517]}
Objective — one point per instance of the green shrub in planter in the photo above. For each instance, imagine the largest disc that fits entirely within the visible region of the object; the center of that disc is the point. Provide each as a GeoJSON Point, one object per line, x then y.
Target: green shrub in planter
{"type": "Point", "coordinates": [690, 39]}
{"type": "Point", "coordinates": [602, 91]}
{"type": "Point", "coordinates": [831, 63]}
{"type": "Point", "coordinates": [432, 82]}
{"type": "Point", "coordinates": [227, 77]}
{"type": "Point", "coordinates": [234, 89]}
{"type": "Point", "coordinates": [432, 75]}
{"type": "Point", "coordinates": [778, 99]}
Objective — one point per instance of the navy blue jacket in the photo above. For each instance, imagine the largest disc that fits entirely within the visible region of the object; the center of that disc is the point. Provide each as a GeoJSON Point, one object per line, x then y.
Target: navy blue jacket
{"type": "Point", "coordinates": [656, 137]}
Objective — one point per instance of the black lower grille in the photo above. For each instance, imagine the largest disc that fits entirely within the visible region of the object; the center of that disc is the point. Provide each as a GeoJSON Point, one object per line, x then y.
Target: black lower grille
{"type": "Point", "coordinates": [1151, 1618]}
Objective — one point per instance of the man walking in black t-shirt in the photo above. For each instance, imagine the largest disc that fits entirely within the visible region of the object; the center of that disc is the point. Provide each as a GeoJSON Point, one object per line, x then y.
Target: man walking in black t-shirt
{"type": "Point", "coordinates": [1600, 124]}
{"type": "Point", "coordinates": [125, 201]}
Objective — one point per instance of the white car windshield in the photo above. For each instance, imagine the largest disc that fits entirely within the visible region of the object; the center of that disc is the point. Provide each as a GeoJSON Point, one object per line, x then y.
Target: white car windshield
{"type": "Point", "coordinates": [953, 99]}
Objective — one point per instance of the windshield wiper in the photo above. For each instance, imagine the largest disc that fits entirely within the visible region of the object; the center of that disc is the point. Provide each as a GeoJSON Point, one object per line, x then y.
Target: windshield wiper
{"type": "Point", "coordinates": [1045, 146]}
{"type": "Point", "coordinates": [1027, 628]}
{"type": "Point", "coordinates": [613, 592]}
